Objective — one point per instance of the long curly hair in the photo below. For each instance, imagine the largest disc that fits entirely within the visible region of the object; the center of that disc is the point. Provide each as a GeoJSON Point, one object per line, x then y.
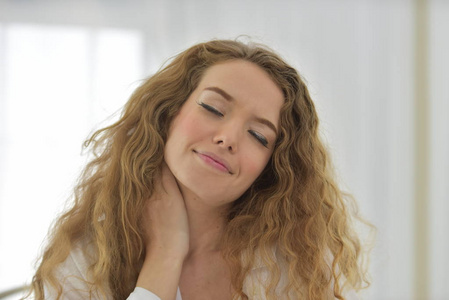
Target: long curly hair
{"type": "Point", "coordinates": [295, 206]}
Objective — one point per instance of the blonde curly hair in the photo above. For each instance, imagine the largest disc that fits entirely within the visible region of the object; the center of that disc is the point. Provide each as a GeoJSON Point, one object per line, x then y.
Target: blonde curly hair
{"type": "Point", "coordinates": [295, 205]}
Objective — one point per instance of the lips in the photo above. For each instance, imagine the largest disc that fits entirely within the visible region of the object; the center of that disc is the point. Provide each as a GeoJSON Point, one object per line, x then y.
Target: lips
{"type": "Point", "coordinates": [215, 161]}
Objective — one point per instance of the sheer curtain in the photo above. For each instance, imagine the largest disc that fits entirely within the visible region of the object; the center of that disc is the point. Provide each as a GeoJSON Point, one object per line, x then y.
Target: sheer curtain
{"type": "Point", "coordinates": [66, 66]}
{"type": "Point", "coordinates": [59, 82]}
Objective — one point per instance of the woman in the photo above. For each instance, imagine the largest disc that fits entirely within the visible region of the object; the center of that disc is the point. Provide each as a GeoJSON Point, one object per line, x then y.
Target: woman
{"type": "Point", "coordinates": [213, 184]}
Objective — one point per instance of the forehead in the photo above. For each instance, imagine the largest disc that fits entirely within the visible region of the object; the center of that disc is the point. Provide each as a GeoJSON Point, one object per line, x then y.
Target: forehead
{"type": "Point", "coordinates": [247, 83]}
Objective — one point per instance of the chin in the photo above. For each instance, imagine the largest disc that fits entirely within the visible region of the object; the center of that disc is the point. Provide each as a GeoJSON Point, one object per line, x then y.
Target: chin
{"type": "Point", "coordinates": [207, 192]}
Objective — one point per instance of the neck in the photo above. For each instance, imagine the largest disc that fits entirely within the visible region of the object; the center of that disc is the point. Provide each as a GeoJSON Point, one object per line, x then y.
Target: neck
{"type": "Point", "coordinates": [206, 224]}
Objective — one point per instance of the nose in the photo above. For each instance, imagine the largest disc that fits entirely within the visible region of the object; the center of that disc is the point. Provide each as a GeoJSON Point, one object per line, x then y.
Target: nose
{"type": "Point", "coordinates": [227, 138]}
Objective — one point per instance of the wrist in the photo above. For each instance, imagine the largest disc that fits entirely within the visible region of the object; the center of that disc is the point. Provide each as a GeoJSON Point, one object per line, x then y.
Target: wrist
{"type": "Point", "coordinates": [159, 251]}
{"type": "Point", "coordinates": [160, 274]}
{"type": "Point", "coordinates": [168, 259]}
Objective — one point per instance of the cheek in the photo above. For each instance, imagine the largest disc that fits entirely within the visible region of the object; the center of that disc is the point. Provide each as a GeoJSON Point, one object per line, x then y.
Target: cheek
{"type": "Point", "coordinates": [190, 127]}
{"type": "Point", "coordinates": [188, 124]}
{"type": "Point", "coordinates": [254, 164]}
{"type": "Point", "coordinates": [184, 127]}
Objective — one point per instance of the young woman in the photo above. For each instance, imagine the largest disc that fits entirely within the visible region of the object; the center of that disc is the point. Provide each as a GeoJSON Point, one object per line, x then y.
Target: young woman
{"type": "Point", "coordinates": [213, 184]}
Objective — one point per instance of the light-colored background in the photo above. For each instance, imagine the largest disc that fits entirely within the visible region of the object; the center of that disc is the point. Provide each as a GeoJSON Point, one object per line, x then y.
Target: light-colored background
{"type": "Point", "coordinates": [377, 70]}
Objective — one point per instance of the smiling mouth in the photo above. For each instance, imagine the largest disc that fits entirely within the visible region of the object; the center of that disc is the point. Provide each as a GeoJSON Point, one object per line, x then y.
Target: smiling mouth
{"type": "Point", "coordinates": [213, 162]}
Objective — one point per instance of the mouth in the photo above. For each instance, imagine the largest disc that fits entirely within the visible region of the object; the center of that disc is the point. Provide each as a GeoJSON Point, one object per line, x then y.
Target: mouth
{"type": "Point", "coordinates": [214, 161]}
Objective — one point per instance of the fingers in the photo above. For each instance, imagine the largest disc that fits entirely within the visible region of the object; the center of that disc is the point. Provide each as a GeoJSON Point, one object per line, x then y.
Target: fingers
{"type": "Point", "coordinates": [166, 217]}
{"type": "Point", "coordinates": [168, 180]}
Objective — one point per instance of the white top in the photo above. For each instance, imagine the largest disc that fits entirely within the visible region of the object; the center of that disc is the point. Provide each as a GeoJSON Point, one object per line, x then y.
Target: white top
{"type": "Point", "coordinates": [72, 274]}
{"type": "Point", "coordinates": [141, 293]}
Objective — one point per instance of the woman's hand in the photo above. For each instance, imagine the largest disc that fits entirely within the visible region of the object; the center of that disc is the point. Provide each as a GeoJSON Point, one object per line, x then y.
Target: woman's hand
{"type": "Point", "coordinates": [166, 218]}
{"type": "Point", "coordinates": [167, 238]}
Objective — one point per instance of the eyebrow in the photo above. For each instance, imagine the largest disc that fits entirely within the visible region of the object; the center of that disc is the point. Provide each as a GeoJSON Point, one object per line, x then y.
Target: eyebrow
{"type": "Point", "coordinates": [221, 92]}
{"type": "Point", "coordinates": [230, 98]}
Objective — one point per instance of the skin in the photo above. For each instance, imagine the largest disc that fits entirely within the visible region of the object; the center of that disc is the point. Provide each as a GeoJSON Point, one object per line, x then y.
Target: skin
{"type": "Point", "coordinates": [186, 215]}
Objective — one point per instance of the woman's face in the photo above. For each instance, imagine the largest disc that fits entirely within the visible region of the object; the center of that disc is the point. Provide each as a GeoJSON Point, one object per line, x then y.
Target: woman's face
{"type": "Point", "coordinates": [224, 134]}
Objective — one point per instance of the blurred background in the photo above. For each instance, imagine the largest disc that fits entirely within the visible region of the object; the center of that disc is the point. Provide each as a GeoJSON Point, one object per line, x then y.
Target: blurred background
{"type": "Point", "coordinates": [377, 71]}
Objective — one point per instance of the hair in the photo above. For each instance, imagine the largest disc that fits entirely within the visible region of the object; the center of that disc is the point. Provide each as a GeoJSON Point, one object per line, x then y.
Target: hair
{"type": "Point", "coordinates": [295, 206]}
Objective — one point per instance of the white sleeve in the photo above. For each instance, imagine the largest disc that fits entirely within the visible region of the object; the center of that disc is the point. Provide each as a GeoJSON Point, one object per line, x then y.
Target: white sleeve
{"type": "Point", "coordinates": [71, 274]}
{"type": "Point", "coordinates": [142, 294]}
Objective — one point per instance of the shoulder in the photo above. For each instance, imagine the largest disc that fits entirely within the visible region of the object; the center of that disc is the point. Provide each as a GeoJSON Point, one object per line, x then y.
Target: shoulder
{"type": "Point", "coordinates": [73, 274]}
{"type": "Point", "coordinates": [260, 275]}
{"type": "Point", "coordinates": [78, 261]}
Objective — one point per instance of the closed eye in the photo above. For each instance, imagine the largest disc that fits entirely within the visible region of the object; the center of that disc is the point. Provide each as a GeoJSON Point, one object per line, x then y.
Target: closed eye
{"type": "Point", "coordinates": [259, 137]}
{"type": "Point", "coordinates": [211, 109]}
